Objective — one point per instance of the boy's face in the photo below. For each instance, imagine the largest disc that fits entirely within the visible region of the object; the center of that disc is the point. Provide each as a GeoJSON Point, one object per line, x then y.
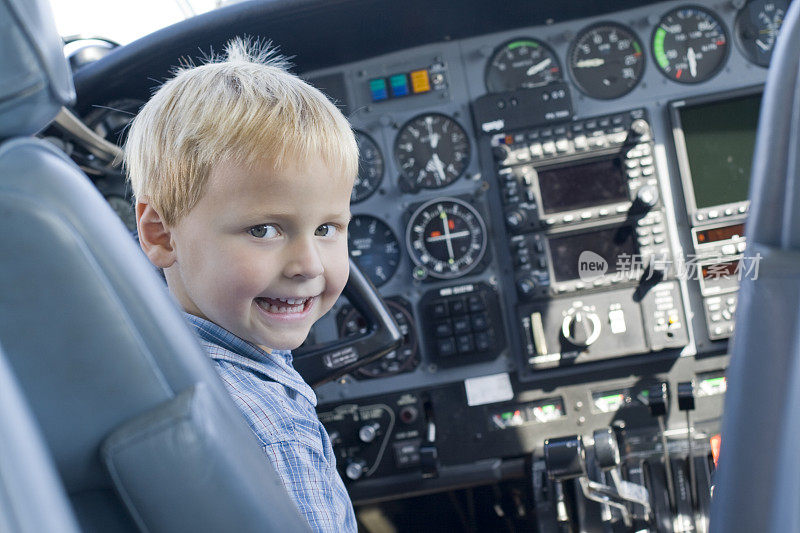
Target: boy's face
{"type": "Point", "coordinates": [264, 252]}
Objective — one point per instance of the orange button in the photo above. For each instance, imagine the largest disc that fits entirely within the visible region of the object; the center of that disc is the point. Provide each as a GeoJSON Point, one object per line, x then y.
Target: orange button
{"type": "Point", "coordinates": [716, 442]}
{"type": "Point", "coordinates": [420, 82]}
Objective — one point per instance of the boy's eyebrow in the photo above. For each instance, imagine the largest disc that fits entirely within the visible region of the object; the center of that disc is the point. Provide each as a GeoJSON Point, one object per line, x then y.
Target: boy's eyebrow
{"type": "Point", "coordinates": [346, 215]}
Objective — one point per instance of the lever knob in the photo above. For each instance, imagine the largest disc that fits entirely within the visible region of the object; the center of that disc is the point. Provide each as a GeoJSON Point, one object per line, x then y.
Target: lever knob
{"type": "Point", "coordinates": [565, 457]}
{"type": "Point", "coordinates": [658, 399]}
{"type": "Point", "coordinates": [606, 449]}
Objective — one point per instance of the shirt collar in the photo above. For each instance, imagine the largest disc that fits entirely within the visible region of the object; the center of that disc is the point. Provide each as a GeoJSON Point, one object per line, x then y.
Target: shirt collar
{"type": "Point", "coordinates": [275, 365]}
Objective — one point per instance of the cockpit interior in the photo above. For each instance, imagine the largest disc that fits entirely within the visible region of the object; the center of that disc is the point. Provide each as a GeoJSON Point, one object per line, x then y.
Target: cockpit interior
{"type": "Point", "coordinates": [557, 205]}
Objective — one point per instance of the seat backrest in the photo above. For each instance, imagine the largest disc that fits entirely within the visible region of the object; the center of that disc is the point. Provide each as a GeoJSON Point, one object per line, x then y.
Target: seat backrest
{"type": "Point", "coordinates": [27, 472]}
{"type": "Point", "coordinates": [141, 430]}
{"type": "Point", "coordinates": [758, 480]}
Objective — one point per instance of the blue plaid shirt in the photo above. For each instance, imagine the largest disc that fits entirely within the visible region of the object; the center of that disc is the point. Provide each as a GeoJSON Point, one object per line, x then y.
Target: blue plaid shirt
{"type": "Point", "coordinates": [279, 407]}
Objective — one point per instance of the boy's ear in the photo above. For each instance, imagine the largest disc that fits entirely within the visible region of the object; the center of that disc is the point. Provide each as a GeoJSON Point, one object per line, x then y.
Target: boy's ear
{"type": "Point", "coordinates": [154, 235]}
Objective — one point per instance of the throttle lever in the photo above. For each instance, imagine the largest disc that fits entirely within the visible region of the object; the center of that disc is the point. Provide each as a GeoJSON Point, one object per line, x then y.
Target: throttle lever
{"type": "Point", "coordinates": [658, 401]}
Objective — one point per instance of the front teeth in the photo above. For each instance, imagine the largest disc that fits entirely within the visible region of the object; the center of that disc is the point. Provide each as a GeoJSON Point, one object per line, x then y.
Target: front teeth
{"type": "Point", "coordinates": [292, 301]}
{"type": "Point", "coordinates": [293, 305]}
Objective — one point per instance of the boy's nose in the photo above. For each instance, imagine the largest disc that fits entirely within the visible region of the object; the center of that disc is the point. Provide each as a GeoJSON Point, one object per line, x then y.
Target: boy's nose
{"type": "Point", "coordinates": [304, 260]}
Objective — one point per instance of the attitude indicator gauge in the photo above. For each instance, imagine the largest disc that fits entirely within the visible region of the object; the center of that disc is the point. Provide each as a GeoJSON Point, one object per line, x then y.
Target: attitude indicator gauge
{"type": "Point", "coordinates": [432, 151]}
{"type": "Point", "coordinates": [606, 61]}
{"type": "Point", "coordinates": [446, 238]}
{"type": "Point", "coordinates": [690, 45]}
{"type": "Point", "coordinates": [373, 247]}
{"type": "Point", "coordinates": [757, 26]}
{"type": "Point", "coordinates": [521, 64]}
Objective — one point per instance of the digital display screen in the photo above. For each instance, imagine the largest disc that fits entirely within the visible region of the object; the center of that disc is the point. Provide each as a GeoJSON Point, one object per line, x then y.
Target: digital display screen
{"type": "Point", "coordinates": [610, 244]}
{"type": "Point", "coordinates": [720, 138]}
{"type": "Point", "coordinates": [720, 234]}
{"type": "Point", "coordinates": [721, 270]}
{"type": "Point", "coordinates": [589, 184]}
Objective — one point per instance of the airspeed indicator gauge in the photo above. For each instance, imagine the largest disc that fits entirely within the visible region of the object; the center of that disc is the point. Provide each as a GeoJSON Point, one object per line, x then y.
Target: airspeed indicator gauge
{"type": "Point", "coordinates": [690, 45]}
{"type": "Point", "coordinates": [446, 238]}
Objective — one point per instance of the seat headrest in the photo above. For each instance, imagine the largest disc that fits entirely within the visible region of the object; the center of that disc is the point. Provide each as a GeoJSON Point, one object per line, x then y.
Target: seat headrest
{"type": "Point", "coordinates": [35, 79]}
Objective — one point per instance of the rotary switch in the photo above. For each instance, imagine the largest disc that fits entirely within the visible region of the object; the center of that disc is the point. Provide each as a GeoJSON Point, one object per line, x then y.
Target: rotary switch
{"type": "Point", "coordinates": [581, 326]}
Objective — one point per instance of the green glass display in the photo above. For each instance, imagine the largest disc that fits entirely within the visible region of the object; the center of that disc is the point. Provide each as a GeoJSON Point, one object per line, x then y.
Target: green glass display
{"type": "Point", "coordinates": [720, 138]}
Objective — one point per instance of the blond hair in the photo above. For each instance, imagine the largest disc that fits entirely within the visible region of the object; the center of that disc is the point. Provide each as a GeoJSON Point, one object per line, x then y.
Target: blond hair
{"type": "Point", "coordinates": [244, 107]}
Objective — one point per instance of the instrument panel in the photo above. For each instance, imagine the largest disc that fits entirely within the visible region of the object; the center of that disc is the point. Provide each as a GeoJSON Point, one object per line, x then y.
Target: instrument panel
{"type": "Point", "coordinates": [530, 202]}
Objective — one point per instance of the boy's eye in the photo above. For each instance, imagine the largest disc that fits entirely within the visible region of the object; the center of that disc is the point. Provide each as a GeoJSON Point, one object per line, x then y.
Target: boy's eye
{"type": "Point", "coordinates": [263, 231]}
{"type": "Point", "coordinates": [325, 230]}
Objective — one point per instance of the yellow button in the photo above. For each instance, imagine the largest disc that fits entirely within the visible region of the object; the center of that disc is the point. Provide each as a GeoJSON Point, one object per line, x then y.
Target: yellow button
{"type": "Point", "coordinates": [420, 82]}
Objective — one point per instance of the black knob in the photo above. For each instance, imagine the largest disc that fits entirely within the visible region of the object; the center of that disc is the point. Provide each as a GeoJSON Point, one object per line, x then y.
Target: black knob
{"type": "Point", "coordinates": [501, 152]}
{"type": "Point", "coordinates": [686, 396]}
{"type": "Point", "coordinates": [565, 457]}
{"type": "Point", "coordinates": [606, 449]}
{"type": "Point", "coordinates": [516, 219]}
{"type": "Point", "coordinates": [581, 328]}
{"type": "Point", "coordinates": [526, 286]}
{"type": "Point", "coordinates": [658, 399]}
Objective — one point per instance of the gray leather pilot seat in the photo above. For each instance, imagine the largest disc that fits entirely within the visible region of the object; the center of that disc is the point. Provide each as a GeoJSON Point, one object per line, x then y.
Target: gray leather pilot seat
{"type": "Point", "coordinates": [758, 480]}
{"type": "Point", "coordinates": [140, 429]}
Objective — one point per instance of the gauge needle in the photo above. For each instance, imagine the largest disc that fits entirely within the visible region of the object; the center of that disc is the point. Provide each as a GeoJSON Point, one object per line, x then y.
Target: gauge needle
{"type": "Point", "coordinates": [763, 46]}
{"type": "Point", "coordinates": [692, 57]}
{"type": "Point", "coordinates": [437, 166]}
{"type": "Point", "coordinates": [590, 63]}
{"type": "Point", "coordinates": [538, 67]}
{"type": "Point", "coordinates": [432, 137]}
{"type": "Point", "coordinates": [446, 225]}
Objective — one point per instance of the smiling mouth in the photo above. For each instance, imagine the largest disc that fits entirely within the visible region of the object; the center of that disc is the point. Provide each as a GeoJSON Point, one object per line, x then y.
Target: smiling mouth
{"type": "Point", "coordinates": [284, 306]}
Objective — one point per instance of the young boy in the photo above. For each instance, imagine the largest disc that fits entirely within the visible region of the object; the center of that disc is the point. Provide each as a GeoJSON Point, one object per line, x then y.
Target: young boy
{"type": "Point", "coordinates": [242, 174]}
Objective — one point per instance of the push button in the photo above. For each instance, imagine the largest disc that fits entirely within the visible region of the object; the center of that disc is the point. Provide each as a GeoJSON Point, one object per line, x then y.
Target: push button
{"type": "Point", "coordinates": [475, 303]}
{"type": "Point", "coordinates": [446, 347]}
{"type": "Point", "coordinates": [440, 310]}
{"type": "Point", "coordinates": [444, 329]}
{"type": "Point", "coordinates": [480, 322]}
{"type": "Point", "coordinates": [466, 344]}
{"type": "Point", "coordinates": [457, 307]}
{"type": "Point", "coordinates": [461, 325]}
{"type": "Point", "coordinates": [482, 341]}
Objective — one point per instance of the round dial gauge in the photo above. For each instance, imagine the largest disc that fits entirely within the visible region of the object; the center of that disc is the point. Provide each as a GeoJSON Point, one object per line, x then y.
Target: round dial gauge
{"type": "Point", "coordinates": [373, 247]}
{"type": "Point", "coordinates": [757, 26]}
{"type": "Point", "coordinates": [431, 151]}
{"type": "Point", "coordinates": [446, 238]}
{"type": "Point", "coordinates": [396, 361]}
{"type": "Point", "coordinates": [606, 61]}
{"type": "Point", "coordinates": [690, 45]}
{"type": "Point", "coordinates": [370, 168]}
{"type": "Point", "coordinates": [124, 210]}
{"type": "Point", "coordinates": [521, 64]}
